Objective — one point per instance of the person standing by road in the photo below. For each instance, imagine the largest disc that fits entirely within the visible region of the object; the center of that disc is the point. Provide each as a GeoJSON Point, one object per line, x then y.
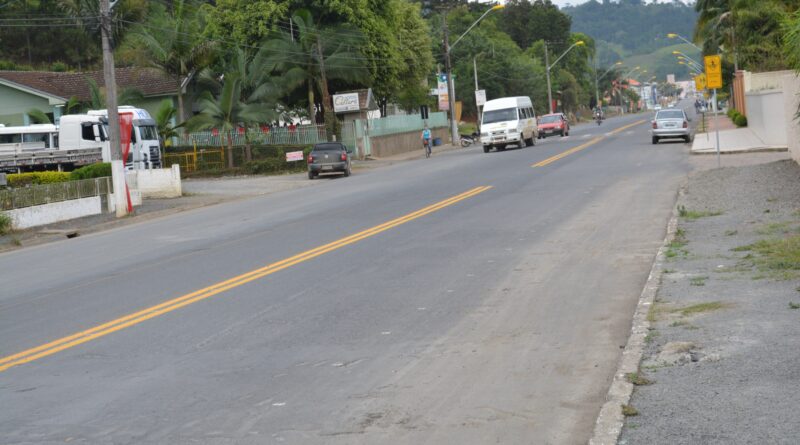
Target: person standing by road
{"type": "Point", "coordinates": [426, 140]}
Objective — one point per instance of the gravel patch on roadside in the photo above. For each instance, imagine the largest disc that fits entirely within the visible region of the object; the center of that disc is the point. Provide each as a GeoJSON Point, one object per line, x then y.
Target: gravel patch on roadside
{"type": "Point", "coordinates": [723, 350]}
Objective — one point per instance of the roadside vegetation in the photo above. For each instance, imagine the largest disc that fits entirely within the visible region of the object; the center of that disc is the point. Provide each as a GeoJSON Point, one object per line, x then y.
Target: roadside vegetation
{"type": "Point", "coordinates": [692, 215]}
{"type": "Point", "coordinates": [5, 224]}
{"type": "Point", "coordinates": [776, 257]}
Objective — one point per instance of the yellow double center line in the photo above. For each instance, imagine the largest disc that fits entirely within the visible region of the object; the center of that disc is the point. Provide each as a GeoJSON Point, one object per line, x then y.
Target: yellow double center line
{"type": "Point", "coordinates": [583, 146]}
{"type": "Point", "coordinates": [179, 302]}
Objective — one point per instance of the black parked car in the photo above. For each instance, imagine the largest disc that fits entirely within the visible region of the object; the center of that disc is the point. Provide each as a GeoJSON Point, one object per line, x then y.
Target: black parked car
{"type": "Point", "coordinates": [329, 157]}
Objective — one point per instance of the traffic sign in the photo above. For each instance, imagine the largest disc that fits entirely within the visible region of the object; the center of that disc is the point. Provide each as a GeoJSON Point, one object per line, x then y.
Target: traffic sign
{"type": "Point", "coordinates": [480, 97]}
{"type": "Point", "coordinates": [713, 64]}
{"type": "Point", "coordinates": [713, 71]}
{"type": "Point", "coordinates": [700, 82]}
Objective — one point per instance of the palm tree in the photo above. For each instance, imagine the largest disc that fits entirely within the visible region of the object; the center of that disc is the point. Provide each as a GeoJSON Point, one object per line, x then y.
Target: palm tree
{"type": "Point", "coordinates": [97, 98]}
{"type": "Point", "coordinates": [312, 56]}
{"type": "Point", "coordinates": [227, 112]}
{"type": "Point", "coordinates": [172, 43]}
{"type": "Point", "coordinates": [38, 116]}
{"type": "Point", "coordinates": [164, 117]}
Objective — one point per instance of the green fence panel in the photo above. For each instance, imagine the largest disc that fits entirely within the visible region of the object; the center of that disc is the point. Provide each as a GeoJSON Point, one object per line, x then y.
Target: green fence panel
{"type": "Point", "coordinates": [17, 198]}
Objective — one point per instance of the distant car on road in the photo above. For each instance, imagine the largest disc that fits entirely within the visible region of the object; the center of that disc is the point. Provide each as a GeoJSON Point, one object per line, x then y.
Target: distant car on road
{"type": "Point", "coordinates": [552, 124]}
{"type": "Point", "coordinates": [672, 123]}
{"type": "Point", "coordinates": [657, 108]}
{"type": "Point", "coordinates": [329, 157]}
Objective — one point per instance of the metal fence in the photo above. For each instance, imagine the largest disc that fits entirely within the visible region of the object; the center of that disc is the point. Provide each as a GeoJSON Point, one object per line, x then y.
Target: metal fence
{"type": "Point", "coordinates": [199, 159]}
{"type": "Point", "coordinates": [34, 195]}
{"type": "Point", "coordinates": [300, 135]}
{"type": "Point", "coordinates": [405, 123]}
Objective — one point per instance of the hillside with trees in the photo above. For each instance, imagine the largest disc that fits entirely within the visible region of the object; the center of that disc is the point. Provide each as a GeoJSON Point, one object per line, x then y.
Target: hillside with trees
{"type": "Point", "coordinates": [626, 28]}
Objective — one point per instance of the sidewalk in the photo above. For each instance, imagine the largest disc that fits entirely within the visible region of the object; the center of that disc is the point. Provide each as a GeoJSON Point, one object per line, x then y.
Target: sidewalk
{"type": "Point", "coordinates": [731, 138]}
{"type": "Point", "coordinates": [721, 362]}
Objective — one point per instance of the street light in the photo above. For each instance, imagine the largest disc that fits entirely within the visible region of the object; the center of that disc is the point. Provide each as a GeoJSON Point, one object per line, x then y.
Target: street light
{"type": "Point", "coordinates": [680, 54]}
{"type": "Point", "coordinates": [631, 72]}
{"type": "Point", "coordinates": [689, 63]}
{"type": "Point", "coordinates": [672, 35]}
{"type": "Point", "coordinates": [549, 66]}
{"type": "Point", "coordinates": [597, 79]}
{"type": "Point", "coordinates": [451, 89]}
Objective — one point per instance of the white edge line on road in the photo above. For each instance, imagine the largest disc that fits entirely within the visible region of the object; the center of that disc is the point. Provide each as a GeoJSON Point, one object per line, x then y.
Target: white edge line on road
{"type": "Point", "coordinates": [608, 426]}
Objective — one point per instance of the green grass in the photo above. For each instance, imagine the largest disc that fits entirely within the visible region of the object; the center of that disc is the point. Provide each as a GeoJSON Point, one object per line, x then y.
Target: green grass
{"type": "Point", "coordinates": [777, 228]}
{"type": "Point", "coordinates": [692, 215]}
{"type": "Point", "coordinates": [667, 271]}
{"type": "Point", "coordinates": [638, 379]}
{"type": "Point", "coordinates": [731, 232]}
{"type": "Point", "coordinates": [700, 308]}
{"type": "Point", "coordinates": [793, 305]}
{"type": "Point", "coordinates": [629, 411]}
{"type": "Point", "coordinates": [5, 224]}
{"type": "Point", "coordinates": [778, 257]}
{"type": "Point", "coordinates": [698, 281]}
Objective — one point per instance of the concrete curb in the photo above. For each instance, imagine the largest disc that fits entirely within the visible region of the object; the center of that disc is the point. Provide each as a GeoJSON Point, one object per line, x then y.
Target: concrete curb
{"type": "Point", "coordinates": [609, 422]}
{"type": "Point", "coordinates": [712, 151]}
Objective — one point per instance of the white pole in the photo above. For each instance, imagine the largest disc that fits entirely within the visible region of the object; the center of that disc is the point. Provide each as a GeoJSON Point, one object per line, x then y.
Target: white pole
{"type": "Point", "coordinates": [117, 163]}
{"type": "Point", "coordinates": [716, 125]}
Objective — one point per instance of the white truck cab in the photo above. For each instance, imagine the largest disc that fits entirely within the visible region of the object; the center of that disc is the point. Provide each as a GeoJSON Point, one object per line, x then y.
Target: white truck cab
{"type": "Point", "coordinates": [81, 131]}
{"type": "Point", "coordinates": [509, 120]}
{"type": "Point", "coordinates": [145, 150]}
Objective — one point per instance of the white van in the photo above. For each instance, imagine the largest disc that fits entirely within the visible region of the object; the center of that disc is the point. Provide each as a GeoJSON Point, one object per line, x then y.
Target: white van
{"type": "Point", "coordinates": [510, 120]}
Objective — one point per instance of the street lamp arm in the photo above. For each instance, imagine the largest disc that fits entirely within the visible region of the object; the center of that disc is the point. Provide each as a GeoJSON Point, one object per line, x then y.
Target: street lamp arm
{"type": "Point", "coordinates": [607, 71]}
{"type": "Point", "coordinates": [673, 35]}
{"type": "Point", "coordinates": [565, 53]}
{"type": "Point", "coordinates": [684, 55]}
{"type": "Point", "coordinates": [493, 8]}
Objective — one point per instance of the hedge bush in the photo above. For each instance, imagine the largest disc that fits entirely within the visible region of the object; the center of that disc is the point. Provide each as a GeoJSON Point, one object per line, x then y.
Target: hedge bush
{"type": "Point", "coordinates": [5, 223]}
{"type": "Point", "coordinates": [99, 170]}
{"type": "Point", "coordinates": [740, 120]}
{"type": "Point", "coordinates": [33, 178]}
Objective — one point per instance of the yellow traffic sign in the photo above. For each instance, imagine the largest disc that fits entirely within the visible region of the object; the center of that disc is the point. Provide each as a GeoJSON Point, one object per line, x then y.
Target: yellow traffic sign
{"type": "Point", "coordinates": [700, 82]}
{"type": "Point", "coordinates": [713, 81]}
{"type": "Point", "coordinates": [713, 64]}
{"type": "Point", "coordinates": [713, 71]}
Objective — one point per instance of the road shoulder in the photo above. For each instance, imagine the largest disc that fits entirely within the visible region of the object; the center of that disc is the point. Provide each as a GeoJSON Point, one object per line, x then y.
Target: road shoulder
{"type": "Point", "coordinates": [719, 340]}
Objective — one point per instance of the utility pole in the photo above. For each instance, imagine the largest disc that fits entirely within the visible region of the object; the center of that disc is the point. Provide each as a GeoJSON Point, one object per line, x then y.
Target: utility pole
{"type": "Point", "coordinates": [596, 88]}
{"type": "Point", "coordinates": [477, 107]}
{"type": "Point", "coordinates": [549, 91]}
{"type": "Point", "coordinates": [451, 93]}
{"type": "Point", "coordinates": [114, 140]}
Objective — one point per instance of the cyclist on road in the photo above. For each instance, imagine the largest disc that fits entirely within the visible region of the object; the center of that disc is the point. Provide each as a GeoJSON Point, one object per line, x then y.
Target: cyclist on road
{"type": "Point", "coordinates": [426, 141]}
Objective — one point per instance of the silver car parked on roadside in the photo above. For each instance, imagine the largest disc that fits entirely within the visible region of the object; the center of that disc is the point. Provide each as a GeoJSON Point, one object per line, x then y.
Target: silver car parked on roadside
{"type": "Point", "coordinates": [672, 123]}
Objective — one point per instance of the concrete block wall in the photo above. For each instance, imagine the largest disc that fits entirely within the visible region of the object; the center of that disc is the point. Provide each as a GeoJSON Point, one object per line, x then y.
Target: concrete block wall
{"type": "Point", "coordinates": [159, 183]}
{"type": "Point", "coordinates": [791, 102]}
{"type": "Point", "coordinates": [383, 146]}
{"type": "Point", "coordinates": [54, 212]}
{"type": "Point", "coordinates": [766, 116]}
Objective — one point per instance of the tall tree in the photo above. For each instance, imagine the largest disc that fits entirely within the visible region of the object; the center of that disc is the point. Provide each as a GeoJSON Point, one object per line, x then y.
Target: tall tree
{"type": "Point", "coordinates": [528, 21]}
{"type": "Point", "coordinates": [227, 112]}
{"type": "Point", "coordinates": [171, 41]}
{"type": "Point", "coordinates": [314, 55]}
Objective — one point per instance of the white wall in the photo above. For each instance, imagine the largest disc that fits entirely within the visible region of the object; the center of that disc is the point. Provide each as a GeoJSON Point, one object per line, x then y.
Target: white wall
{"type": "Point", "coordinates": [791, 99]}
{"type": "Point", "coordinates": [58, 211]}
{"type": "Point", "coordinates": [766, 116]}
{"type": "Point", "coordinates": [771, 80]}
{"type": "Point", "coordinates": [159, 183]}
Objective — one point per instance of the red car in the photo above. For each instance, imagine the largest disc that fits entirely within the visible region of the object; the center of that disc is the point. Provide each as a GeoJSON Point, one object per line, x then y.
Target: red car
{"type": "Point", "coordinates": [552, 124]}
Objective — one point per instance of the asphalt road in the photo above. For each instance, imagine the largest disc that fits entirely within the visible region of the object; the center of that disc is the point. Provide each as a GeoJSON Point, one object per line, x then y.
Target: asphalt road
{"type": "Point", "coordinates": [493, 317]}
